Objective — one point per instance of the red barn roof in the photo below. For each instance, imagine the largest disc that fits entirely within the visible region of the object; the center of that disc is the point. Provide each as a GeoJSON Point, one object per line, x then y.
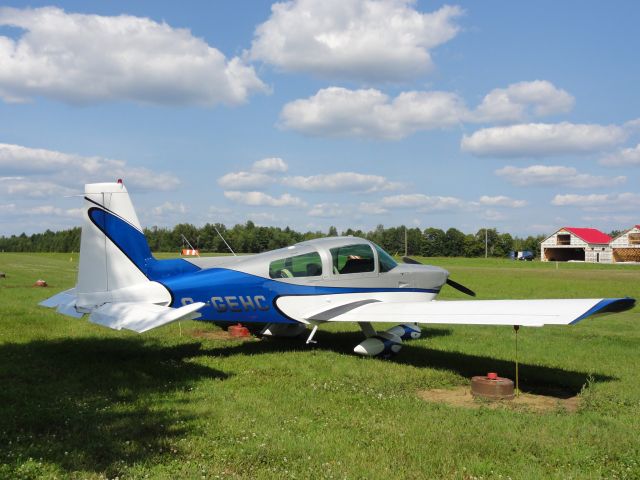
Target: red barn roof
{"type": "Point", "coordinates": [589, 235]}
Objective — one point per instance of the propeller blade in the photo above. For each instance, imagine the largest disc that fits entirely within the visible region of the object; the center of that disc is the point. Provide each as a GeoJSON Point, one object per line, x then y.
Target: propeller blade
{"type": "Point", "coordinates": [450, 282]}
{"type": "Point", "coordinates": [410, 261]}
{"type": "Point", "coordinates": [460, 287]}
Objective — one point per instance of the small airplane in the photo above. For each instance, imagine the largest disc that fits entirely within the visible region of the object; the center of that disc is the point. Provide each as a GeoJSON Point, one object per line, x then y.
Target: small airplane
{"type": "Point", "coordinates": [282, 292]}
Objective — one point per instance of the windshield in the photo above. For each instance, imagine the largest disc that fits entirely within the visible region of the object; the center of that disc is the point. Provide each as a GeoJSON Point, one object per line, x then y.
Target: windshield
{"type": "Point", "coordinates": [385, 260]}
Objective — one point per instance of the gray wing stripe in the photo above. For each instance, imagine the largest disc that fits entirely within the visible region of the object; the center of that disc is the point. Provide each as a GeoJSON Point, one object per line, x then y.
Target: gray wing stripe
{"type": "Point", "coordinates": [336, 311]}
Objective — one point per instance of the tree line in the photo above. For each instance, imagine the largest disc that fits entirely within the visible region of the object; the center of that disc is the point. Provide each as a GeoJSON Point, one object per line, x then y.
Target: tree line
{"type": "Point", "coordinates": [250, 238]}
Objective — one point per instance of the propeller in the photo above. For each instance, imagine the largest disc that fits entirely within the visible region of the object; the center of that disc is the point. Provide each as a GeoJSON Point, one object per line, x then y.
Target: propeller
{"type": "Point", "coordinates": [460, 288]}
{"type": "Point", "coordinates": [451, 283]}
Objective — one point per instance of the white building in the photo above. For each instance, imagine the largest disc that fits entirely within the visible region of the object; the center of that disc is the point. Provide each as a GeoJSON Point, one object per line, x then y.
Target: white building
{"type": "Point", "coordinates": [626, 246]}
{"type": "Point", "coordinates": [578, 244]}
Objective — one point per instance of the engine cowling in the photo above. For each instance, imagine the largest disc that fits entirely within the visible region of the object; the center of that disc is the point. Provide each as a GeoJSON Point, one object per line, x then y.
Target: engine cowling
{"type": "Point", "coordinates": [410, 331]}
{"type": "Point", "coordinates": [384, 344]}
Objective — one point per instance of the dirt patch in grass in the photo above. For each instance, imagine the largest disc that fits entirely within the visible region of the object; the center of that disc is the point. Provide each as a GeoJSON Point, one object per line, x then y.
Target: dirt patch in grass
{"type": "Point", "coordinates": [220, 335]}
{"type": "Point", "coordinates": [461, 397]}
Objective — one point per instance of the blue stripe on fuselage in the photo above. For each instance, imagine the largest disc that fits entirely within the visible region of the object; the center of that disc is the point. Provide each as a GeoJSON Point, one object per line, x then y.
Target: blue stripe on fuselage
{"type": "Point", "coordinates": [229, 294]}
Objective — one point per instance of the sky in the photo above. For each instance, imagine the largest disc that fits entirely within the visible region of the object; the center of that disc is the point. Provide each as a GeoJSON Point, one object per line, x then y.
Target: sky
{"type": "Point", "coordinates": [520, 116]}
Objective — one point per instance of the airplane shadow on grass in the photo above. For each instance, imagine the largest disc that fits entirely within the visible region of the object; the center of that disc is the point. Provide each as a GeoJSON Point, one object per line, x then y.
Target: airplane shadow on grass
{"type": "Point", "coordinates": [535, 379]}
{"type": "Point", "coordinates": [95, 404]}
{"type": "Point", "coordinates": [91, 404]}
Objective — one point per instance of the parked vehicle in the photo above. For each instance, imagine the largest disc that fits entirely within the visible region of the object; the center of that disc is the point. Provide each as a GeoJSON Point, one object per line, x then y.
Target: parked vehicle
{"type": "Point", "coordinates": [525, 255]}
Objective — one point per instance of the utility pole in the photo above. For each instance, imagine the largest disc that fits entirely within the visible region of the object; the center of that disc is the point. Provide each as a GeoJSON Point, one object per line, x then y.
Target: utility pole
{"type": "Point", "coordinates": [486, 244]}
{"type": "Point", "coordinates": [405, 242]}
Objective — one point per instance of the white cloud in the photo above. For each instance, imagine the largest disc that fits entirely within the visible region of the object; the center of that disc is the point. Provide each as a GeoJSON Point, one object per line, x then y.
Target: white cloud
{"type": "Point", "coordinates": [434, 203]}
{"type": "Point", "coordinates": [571, 199]}
{"type": "Point", "coordinates": [555, 175]}
{"type": "Point", "coordinates": [599, 202]}
{"type": "Point", "coordinates": [35, 189]}
{"type": "Point", "coordinates": [341, 182]}
{"type": "Point", "coordinates": [326, 210]}
{"type": "Point", "coordinates": [215, 210]}
{"type": "Point", "coordinates": [542, 139]}
{"type": "Point", "coordinates": [7, 207]}
{"type": "Point", "coordinates": [523, 99]}
{"type": "Point", "coordinates": [493, 215]}
{"type": "Point", "coordinates": [244, 180]}
{"type": "Point", "coordinates": [49, 175]}
{"type": "Point", "coordinates": [51, 210]}
{"type": "Point", "coordinates": [633, 124]}
{"type": "Point", "coordinates": [25, 160]}
{"type": "Point", "coordinates": [501, 201]}
{"type": "Point", "coordinates": [55, 173]}
{"type": "Point", "coordinates": [339, 112]}
{"type": "Point", "coordinates": [80, 58]}
{"type": "Point", "coordinates": [371, 208]}
{"type": "Point", "coordinates": [366, 40]}
{"type": "Point", "coordinates": [623, 158]}
{"type": "Point", "coordinates": [257, 178]}
{"type": "Point", "coordinates": [619, 219]}
{"type": "Point", "coordinates": [262, 199]}
{"type": "Point", "coordinates": [262, 218]}
{"type": "Point", "coordinates": [421, 202]}
{"type": "Point", "coordinates": [169, 208]}
{"type": "Point", "coordinates": [270, 165]}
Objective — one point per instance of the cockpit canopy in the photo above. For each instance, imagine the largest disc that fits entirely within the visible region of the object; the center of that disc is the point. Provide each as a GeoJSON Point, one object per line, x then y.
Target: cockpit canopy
{"type": "Point", "coordinates": [335, 256]}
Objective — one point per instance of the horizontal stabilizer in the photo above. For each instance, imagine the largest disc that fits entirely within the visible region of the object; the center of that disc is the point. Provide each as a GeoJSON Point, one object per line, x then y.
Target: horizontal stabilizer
{"type": "Point", "coordinates": [61, 298]}
{"type": "Point", "coordinates": [64, 303]}
{"type": "Point", "coordinates": [69, 309]}
{"type": "Point", "coordinates": [532, 313]}
{"type": "Point", "coordinates": [141, 317]}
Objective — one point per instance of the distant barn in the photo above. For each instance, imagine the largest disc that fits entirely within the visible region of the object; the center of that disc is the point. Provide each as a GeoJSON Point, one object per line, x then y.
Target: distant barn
{"type": "Point", "coordinates": [626, 246]}
{"type": "Point", "coordinates": [577, 244]}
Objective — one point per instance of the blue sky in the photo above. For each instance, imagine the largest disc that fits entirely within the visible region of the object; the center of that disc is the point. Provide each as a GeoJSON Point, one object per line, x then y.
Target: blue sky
{"type": "Point", "coordinates": [520, 116]}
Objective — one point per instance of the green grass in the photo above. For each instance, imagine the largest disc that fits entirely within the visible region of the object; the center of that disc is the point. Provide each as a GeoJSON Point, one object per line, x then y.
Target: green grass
{"type": "Point", "coordinates": [81, 401]}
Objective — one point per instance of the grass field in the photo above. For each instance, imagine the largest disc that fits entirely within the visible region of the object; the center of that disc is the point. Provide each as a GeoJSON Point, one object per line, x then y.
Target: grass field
{"type": "Point", "coordinates": [81, 401]}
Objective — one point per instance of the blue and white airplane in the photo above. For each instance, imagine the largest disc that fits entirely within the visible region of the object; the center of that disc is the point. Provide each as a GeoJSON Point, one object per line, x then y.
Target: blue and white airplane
{"type": "Point", "coordinates": [286, 291]}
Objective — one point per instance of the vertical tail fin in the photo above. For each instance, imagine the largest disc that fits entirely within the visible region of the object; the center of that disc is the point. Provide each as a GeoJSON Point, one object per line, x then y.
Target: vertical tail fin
{"type": "Point", "coordinates": [117, 273]}
{"type": "Point", "coordinates": [113, 250]}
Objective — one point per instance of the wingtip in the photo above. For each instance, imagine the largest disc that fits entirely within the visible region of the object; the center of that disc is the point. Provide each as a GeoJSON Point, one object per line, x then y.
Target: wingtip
{"type": "Point", "coordinates": [616, 305]}
{"type": "Point", "coordinates": [608, 305]}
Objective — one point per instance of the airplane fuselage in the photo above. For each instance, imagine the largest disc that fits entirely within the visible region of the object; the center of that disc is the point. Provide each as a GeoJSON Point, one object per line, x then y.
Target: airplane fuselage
{"type": "Point", "coordinates": [235, 296]}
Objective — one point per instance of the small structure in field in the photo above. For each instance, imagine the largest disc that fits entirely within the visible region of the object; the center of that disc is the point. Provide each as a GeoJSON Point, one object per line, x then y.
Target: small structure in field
{"type": "Point", "coordinates": [626, 246]}
{"type": "Point", "coordinates": [576, 244]}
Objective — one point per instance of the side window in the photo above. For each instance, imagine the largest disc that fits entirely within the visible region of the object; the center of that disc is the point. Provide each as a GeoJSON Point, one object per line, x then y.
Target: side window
{"type": "Point", "coordinates": [352, 259]}
{"type": "Point", "coordinates": [305, 265]}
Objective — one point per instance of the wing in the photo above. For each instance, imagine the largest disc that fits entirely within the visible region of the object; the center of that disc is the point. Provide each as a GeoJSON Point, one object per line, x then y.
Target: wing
{"type": "Point", "coordinates": [531, 313]}
{"type": "Point", "coordinates": [136, 316]}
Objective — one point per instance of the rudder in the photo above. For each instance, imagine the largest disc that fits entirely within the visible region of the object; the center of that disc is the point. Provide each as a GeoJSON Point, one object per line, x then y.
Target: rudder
{"type": "Point", "coordinates": [113, 248]}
